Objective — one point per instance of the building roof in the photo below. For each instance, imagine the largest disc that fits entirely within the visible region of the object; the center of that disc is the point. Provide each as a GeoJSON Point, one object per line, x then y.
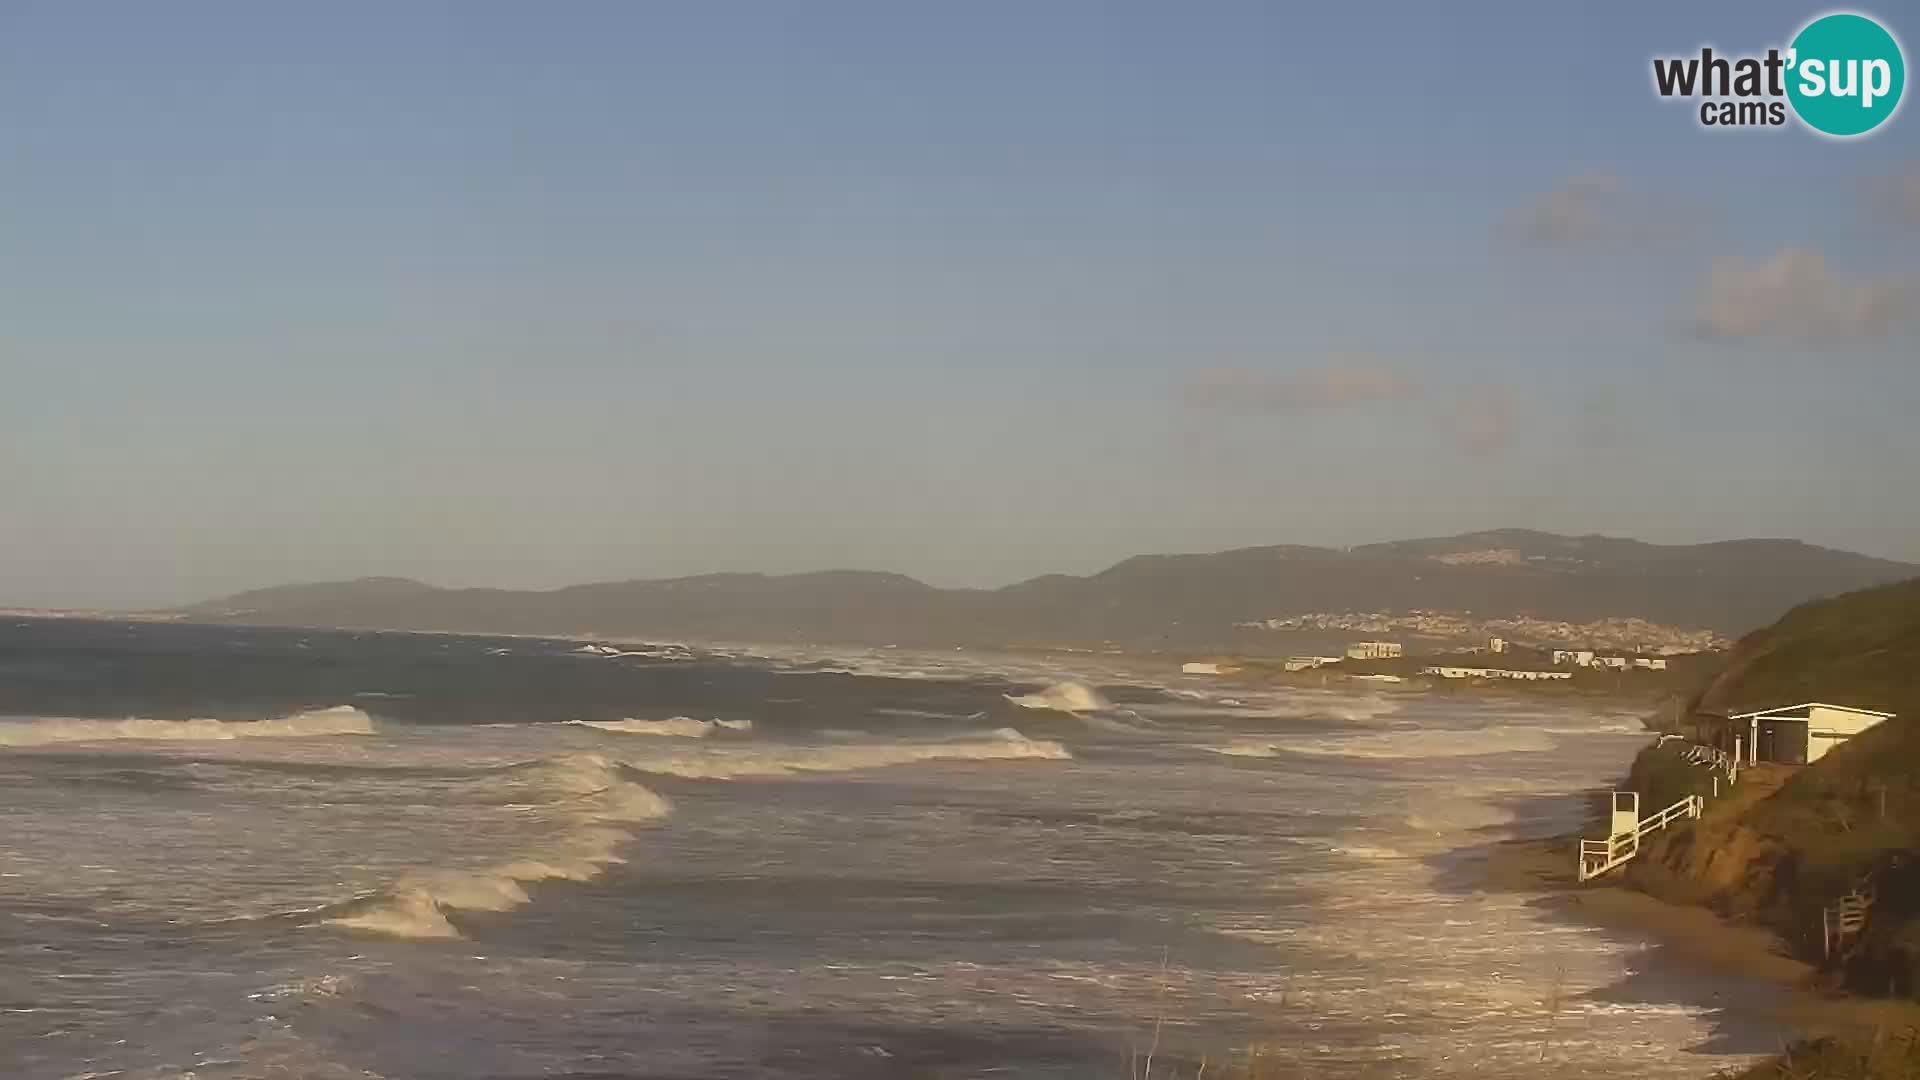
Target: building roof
{"type": "Point", "coordinates": [1779, 712]}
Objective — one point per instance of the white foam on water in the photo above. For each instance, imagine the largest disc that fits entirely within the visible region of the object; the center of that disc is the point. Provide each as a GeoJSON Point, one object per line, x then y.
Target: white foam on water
{"type": "Point", "coordinates": [1411, 743]}
{"type": "Point", "coordinates": [338, 720]}
{"type": "Point", "coordinates": [1140, 725]}
{"type": "Point", "coordinates": [684, 727]}
{"type": "Point", "coordinates": [1603, 726]}
{"type": "Point", "coordinates": [1247, 748]}
{"type": "Point", "coordinates": [589, 798]}
{"type": "Point", "coordinates": [1067, 697]}
{"type": "Point", "coordinates": [413, 914]}
{"type": "Point", "coordinates": [1495, 986]}
{"type": "Point", "coordinates": [1251, 706]}
{"type": "Point", "coordinates": [1004, 744]}
{"type": "Point", "coordinates": [1372, 851]}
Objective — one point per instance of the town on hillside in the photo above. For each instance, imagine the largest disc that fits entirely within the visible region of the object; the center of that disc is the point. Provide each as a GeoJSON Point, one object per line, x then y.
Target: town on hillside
{"type": "Point", "coordinates": [1498, 659]}
{"type": "Point", "coordinates": [1610, 634]}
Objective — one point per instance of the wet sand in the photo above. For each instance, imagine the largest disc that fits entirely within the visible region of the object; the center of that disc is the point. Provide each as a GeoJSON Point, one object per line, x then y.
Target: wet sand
{"type": "Point", "coordinates": [1695, 936]}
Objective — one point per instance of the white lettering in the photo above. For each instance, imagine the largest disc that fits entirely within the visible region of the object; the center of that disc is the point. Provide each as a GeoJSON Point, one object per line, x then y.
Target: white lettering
{"type": "Point", "coordinates": [1850, 85]}
{"type": "Point", "coordinates": [1813, 77]}
{"type": "Point", "coordinates": [1875, 87]}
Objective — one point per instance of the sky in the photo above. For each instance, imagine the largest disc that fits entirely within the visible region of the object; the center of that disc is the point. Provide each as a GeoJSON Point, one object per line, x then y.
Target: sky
{"type": "Point", "coordinates": [526, 295]}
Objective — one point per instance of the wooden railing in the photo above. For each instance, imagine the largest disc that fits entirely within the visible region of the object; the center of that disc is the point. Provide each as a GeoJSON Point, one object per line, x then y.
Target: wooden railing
{"type": "Point", "coordinates": [1713, 757]}
{"type": "Point", "coordinates": [1599, 856]}
{"type": "Point", "coordinates": [1844, 919]}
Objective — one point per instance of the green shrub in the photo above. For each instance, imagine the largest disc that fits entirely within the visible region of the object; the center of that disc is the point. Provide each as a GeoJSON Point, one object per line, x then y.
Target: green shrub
{"type": "Point", "coordinates": [1663, 776]}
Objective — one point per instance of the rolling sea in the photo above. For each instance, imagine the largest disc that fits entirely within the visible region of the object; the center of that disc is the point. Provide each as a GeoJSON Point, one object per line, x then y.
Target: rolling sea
{"type": "Point", "coordinates": [244, 853]}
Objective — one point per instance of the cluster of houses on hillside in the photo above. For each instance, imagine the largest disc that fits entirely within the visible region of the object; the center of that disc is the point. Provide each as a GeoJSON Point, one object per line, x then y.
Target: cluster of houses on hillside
{"type": "Point", "coordinates": [1376, 650]}
{"type": "Point", "coordinates": [1560, 659]}
{"type": "Point", "coordinates": [1587, 659]}
{"type": "Point", "coordinates": [1613, 634]}
{"type": "Point", "coordinates": [1523, 663]}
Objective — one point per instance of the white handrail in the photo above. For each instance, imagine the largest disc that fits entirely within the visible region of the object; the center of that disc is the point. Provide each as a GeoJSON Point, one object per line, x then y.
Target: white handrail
{"type": "Point", "coordinates": [1599, 856]}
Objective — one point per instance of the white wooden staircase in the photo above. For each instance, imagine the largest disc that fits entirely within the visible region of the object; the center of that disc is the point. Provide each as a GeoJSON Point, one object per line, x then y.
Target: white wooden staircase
{"type": "Point", "coordinates": [1623, 840]}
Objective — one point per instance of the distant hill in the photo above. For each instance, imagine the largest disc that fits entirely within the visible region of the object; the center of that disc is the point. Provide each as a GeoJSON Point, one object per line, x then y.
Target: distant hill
{"type": "Point", "coordinates": [1148, 600]}
{"type": "Point", "coordinates": [1862, 648]}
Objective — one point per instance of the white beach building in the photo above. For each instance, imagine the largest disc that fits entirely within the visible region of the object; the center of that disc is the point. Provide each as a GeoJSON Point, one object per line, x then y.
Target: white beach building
{"type": "Point", "coordinates": [1799, 734]}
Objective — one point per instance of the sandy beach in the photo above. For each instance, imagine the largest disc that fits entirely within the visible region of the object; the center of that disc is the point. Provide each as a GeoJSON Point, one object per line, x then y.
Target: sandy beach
{"type": "Point", "coordinates": [1807, 1005]}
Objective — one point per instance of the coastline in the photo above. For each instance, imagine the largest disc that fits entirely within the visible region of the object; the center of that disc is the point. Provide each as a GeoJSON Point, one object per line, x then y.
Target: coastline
{"type": "Point", "coordinates": [1802, 1006]}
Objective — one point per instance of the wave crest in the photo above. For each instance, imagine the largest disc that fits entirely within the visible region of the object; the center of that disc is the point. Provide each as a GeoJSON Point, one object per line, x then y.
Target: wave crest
{"type": "Point", "coordinates": [1004, 744]}
{"type": "Point", "coordinates": [591, 800]}
{"type": "Point", "coordinates": [1400, 744]}
{"type": "Point", "coordinates": [338, 720]}
{"type": "Point", "coordinates": [1066, 697]}
{"type": "Point", "coordinates": [685, 727]}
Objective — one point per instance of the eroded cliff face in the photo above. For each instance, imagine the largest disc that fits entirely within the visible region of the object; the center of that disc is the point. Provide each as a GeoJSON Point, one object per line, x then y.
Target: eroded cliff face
{"type": "Point", "coordinates": [1731, 864]}
{"type": "Point", "coordinates": [1725, 862]}
{"type": "Point", "coordinates": [1777, 851]}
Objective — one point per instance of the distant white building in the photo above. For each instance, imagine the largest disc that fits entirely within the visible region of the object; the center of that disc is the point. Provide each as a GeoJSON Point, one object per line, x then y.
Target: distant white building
{"type": "Point", "coordinates": [1376, 650]}
{"type": "Point", "coordinates": [1799, 734]}
{"type": "Point", "coordinates": [1622, 663]}
{"type": "Point", "coordinates": [1307, 663]}
{"type": "Point", "coordinates": [1587, 658]}
{"type": "Point", "coordinates": [1448, 672]}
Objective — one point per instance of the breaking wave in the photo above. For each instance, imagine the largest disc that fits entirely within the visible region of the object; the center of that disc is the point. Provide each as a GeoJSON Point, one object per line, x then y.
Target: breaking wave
{"type": "Point", "coordinates": [587, 799]}
{"type": "Point", "coordinates": [1136, 724]}
{"type": "Point", "coordinates": [1004, 744]}
{"type": "Point", "coordinates": [685, 727]}
{"type": "Point", "coordinates": [1360, 710]}
{"type": "Point", "coordinates": [339, 720]}
{"type": "Point", "coordinates": [1247, 748]}
{"type": "Point", "coordinates": [1434, 813]}
{"type": "Point", "coordinates": [1399, 744]}
{"type": "Point", "coordinates": [1066, 697]}
{"type": "Point", "coordinates": [1627, 726]}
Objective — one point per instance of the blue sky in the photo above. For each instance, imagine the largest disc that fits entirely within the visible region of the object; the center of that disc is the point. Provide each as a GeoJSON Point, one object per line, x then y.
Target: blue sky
{"type": "Point", "coordinates": [526, 294]}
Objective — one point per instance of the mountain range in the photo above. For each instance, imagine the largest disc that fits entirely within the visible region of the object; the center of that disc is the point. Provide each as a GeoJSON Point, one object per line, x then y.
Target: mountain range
{"type": "Point", "coordinates": [1146, 601]}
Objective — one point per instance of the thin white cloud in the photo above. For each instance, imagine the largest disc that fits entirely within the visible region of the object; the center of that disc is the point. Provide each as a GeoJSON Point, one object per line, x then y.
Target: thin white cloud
{"type": "Point", "coordinates": [1345, 383]}
{"type": "Point", "coordinates": [1580, 212]}
{"type": "Point", "coordinates": [1596, 211]}
{"type": "Point", "coordinates": [1794, 295]}
{"type": "Point", "coordinates": [1484, 421]}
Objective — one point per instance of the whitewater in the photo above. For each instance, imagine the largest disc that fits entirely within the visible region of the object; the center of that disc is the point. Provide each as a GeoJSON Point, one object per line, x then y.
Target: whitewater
{"type": "Point", "coordinates": [390, 857]}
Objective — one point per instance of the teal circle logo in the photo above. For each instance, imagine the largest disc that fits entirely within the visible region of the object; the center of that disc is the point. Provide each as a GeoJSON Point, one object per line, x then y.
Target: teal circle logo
{"type": "Point", "coordinates": [1845, 74]}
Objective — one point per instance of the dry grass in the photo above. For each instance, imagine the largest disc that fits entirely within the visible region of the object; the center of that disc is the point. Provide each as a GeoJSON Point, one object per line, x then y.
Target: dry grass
{"type": "Point", "coordinates": [1884, 1057]}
